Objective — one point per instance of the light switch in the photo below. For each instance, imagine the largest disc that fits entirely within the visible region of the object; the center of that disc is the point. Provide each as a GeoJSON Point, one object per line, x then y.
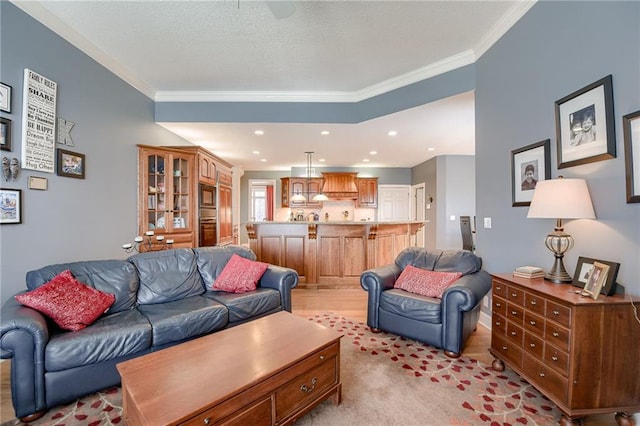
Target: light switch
{"type": "Point", "coordinates": [452, 217]}
{"type": "Point", "coordinates": [487, 222]}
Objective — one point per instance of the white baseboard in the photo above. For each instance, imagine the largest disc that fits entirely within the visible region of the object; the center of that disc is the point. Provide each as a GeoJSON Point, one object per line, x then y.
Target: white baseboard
{"type": "Point", "coordinates": [485, 320]}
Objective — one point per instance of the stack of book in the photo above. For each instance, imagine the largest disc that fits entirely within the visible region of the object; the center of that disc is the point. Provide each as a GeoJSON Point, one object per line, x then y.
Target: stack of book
{"type": "Point", "coordinates": [529, 272]}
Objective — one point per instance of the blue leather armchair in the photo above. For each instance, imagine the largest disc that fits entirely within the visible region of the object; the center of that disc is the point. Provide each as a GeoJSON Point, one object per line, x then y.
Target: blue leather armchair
{"type": "Point", "coordinates": [444, 323]}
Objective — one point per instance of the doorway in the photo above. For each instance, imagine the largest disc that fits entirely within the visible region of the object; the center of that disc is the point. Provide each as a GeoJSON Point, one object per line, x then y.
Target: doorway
{"type": "Point", "coordinates": [418, 211]}
{"type": "Point", "coordinates": [261, 200]}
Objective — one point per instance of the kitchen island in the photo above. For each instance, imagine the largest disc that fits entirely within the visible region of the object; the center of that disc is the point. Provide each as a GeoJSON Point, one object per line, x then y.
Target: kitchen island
{"type": "Point", "coordinates": [330, 254]}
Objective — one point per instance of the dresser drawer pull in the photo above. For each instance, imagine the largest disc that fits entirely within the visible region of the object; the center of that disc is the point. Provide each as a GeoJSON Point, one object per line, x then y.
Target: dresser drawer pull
{"type": "Point", "coordinates": [321, 357]}
{"type": "Point", "coordinates": [504, 348]}
{"type": "Point", "coordinates": [556, 312]}
{"type": "Point", "coordinates": [498, 288]}
{"type": "Point", "coordinates": [207, 421]}
{"type": "Point", "coordinates": [534, 303]}
{"type": "Point", "coordinates": [554, 358]}
{"type": "Point", "coordinates": [541, 374]}
{"type": "Point", "coordinates": [533, 345]}
{"type": "Point", "coordinates": [513, 333]}
{"type": "Point", "coordinates": [514, 294]}
{"type": "Point", "coordinates": [306, 389]}
{"type": "Point", "coordinates": [532, 322]}
{"type": "Point", "coordinates": [498, 304]}
{"type": "Point", "coordinates": [498, 323]}
{"type": "Point", "coordinates": [514, 313]}
{"type": "Point", "coordinates": [555, 334]}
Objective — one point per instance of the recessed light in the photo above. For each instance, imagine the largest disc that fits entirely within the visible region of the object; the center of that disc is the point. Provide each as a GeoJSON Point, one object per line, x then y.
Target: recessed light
{"type": "Point", "coordinates": [392, 133]}
{"type": "Point", "coordinates": [431, 149]}
{"type": "Point", "coordinates": [256, 152]}
{"type": "Point", "coordinates": [325, 132]}
{"type": "Point", "coordinates": [365, 160]}
{"type": "Point", "coordinates": [322, 160]}
{"type": "Point", "coordinates": [259, 132]}
{"type": "Point", "coordinates": [264, 160]}
{"type": "Point", "coordinates": [373, 152]}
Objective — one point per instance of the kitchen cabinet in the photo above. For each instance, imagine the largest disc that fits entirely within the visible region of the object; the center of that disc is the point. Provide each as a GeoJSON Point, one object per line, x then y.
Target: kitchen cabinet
{"type": "Point", "coordinates": [206, 169]}
{"type": "Point", "coordinates": [167, 194]}
{"type": "Point", "coordinates": [583, 354]}
{"type": "Point", "coordinates": [367, 192]}
{"type": "Point", "coordinates": [225, 216]}
{"type": "Point", "coordinates": [307, 187]}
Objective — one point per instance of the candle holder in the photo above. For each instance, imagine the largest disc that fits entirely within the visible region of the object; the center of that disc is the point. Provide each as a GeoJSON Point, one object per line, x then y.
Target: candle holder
{"type": "Point", "coordinates": [148, 243]}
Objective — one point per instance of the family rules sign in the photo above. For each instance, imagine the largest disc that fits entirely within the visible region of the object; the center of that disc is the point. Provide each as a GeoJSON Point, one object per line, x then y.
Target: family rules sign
{"type": "Point", "coordinates": [38, 122]}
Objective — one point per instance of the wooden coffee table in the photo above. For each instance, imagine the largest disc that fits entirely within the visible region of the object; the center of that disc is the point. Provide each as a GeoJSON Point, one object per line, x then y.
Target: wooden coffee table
{"type": "Point", "coordinates": [269, 371]}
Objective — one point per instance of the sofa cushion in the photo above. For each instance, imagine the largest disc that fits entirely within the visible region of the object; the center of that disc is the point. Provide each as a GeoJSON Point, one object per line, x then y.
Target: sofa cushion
{"type": "Point", "coordinates": [245, 306]}
{"type": "Point", "coordinates": [418, 257]}
{"type": "Point", "coordinates": [184, 319]}
{"type": "Point", "coordinates": [458, 261]}
{"type": "Point", "coordinates": [117, 277]}
{"type": "Point", "coordinates": [425, 282]}
{"type": "Point", "coordinates": [240, 275]}
{"type": "Point", "coordinates": [410, 305]}
{"type": "Point", "coordinates": [167, 275]}
{"type": "Point", "coordinates": [69, 303]}
{"type": "Point", "coordinates": [212, 260]}
{"type": "Point", "coordinates": [110, 337]}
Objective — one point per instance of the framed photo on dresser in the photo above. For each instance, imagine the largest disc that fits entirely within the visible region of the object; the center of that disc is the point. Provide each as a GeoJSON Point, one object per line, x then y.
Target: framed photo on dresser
{"type": "Point", "coordinates": [584, 270]}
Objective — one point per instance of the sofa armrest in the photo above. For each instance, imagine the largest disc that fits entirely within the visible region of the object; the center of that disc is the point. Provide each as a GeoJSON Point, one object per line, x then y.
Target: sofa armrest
{"type": "Point", "coordinates": [466, 292]}
{"type": "Point", "coordinates": [375, 281]}
{"type": "Point", "coordinates": [24, 334]}
{"type": "Point", "coordinates": [281, 279]}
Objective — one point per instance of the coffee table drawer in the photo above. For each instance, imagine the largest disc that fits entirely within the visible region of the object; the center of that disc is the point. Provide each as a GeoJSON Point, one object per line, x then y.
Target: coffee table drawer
{"type": "Point", "coordinates": [308, 386]}
{"type": "Point", "coordinates": [257, 414]}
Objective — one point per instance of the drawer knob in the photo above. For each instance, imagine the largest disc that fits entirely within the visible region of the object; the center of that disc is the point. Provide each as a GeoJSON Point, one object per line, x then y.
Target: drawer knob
{"type": "Point", "coordinates": [554, 358]}
{"type": "Point", "coordinates": [498, 288]}
{"type": "Point", "coordinates": [513, 333]}
{"type": "Point", "coordinates": [534, 303]}
{"type": "Point", "coordinates": [556, 313]}
{"type": "Point", "coordinates": [504, 348]}
{"type": "Point", "coordinates": [497, 323]}
{"type": "Point", "coordinates": [321, 357]}
{"type": "Point", "coordinates": [498, 304]}
{"type": "Point", "coordinates": [305, 388]}
{"type": "Point", "coordinates": [207, 421]}
{"type": "Point", "coordinates": [514, 313]}
{"type": "Point", "coordinates": [541, 374]}
{"type": "Point", "coordinates": [533, 345]}
{"type": "Point", "coordinates": [514, 294]}
{"type": "Point", "coordinates": [532, 322]}
{"type": "Point", "coordinates": [555, 334]}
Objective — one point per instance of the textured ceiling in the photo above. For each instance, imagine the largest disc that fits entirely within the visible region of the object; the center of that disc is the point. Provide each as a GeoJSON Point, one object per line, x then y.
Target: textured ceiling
{"type": "Point", "coordinates": [323, 51]}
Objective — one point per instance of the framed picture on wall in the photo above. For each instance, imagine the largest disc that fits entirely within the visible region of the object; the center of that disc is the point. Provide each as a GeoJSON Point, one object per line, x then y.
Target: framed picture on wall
{"type": "Point", "coordinates": [10, 206]}
{"type": "Point", "coordinates": [5, 98]}
{"type": "Point", "coordinates": [631, 127]}
{"type": "Point", "coordinates": [529, 165]}
{"type": "Point", "coordinates": [5, 134]}
{"type": "Point", "coordinates": [585, 128]}
{"type": "Point", "coordinates": [70, 164]}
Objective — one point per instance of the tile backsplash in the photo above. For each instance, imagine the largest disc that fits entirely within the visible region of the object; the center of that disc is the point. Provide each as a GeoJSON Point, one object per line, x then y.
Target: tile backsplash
{"type": "Point", "coordinates": [335, 209]}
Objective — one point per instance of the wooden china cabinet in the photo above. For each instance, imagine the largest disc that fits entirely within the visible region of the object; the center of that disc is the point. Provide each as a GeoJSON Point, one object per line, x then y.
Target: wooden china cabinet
{"type": "Point", "coordinates": [167, 194]}
{"type": "Point", "coordinates": [225, 217]}
{"type": "Point", "coordinates": [583, 354]}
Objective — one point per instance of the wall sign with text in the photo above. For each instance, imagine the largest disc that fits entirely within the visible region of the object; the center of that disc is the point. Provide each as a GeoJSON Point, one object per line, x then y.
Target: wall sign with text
{"type": "Point", "coordinates": [39, 122]}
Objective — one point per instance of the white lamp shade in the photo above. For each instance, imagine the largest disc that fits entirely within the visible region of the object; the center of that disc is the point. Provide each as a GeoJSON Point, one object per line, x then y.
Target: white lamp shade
{"type": "Point", "coordinates": [299, 198]}
{"type": "Point", "coordinates": [320, 197]}
{"type": "Point", "coordinates": [561, 199]}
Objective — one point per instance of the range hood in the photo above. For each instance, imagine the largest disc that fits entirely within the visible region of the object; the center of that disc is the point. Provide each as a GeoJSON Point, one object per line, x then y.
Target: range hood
{"type": "Point", "coordinates": [340, 186]}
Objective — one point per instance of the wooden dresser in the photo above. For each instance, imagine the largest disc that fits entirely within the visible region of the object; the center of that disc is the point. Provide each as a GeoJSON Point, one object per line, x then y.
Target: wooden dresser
{"type": "Point", "coordinates": [583, 354]}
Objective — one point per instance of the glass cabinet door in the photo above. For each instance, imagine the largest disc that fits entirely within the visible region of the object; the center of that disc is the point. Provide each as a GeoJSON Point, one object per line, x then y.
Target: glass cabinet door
{"type": "Point", "coordinates": [181, 193]}
{"type": "Point", "coordinates": [156, 192]}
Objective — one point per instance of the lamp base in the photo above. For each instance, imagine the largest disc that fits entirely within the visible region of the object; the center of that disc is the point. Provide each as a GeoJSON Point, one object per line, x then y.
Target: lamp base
{"type": "Point", "coordinates": [558, 274]}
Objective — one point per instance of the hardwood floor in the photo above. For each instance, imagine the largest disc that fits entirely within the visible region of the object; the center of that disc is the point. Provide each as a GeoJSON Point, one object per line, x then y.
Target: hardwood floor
{"type": "Point", "coordinates": [350, 303]}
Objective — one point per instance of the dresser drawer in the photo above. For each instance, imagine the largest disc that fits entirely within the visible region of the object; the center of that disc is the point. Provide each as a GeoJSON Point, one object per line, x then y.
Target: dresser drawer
{"type": "Point", "coordinates": [305, 388]}
{"type": "Point", "coordinates": [499, 306]}
{"type": "Point", "coordinates": [556, 359]}
{"type": "Point", "coordinates": [534, 323]}
{"type": "Point", "coordinates": [515, 295]}
{"type": "Point", "coordinates": [545, 379]}
{"type": "Point", "coordinates": [498, 325]}
{"type": "Point", "coordinates": [533, 345]}
{"type": "Point", "coordinates": [499, 289]}
{"type": "Point", "coordinates": [557, 335]}
{"type": "Point", "coordinates": [509, 351]}
{"type": "Point", "coordinates": [515, 314]}
{"type": "Point", "coordinates": [534, 303]}
{"type": "Point", "coordinates": [558, 313]}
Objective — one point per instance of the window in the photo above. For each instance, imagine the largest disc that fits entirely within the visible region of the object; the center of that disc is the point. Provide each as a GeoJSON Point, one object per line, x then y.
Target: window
{"type": "Point", "coordinates": [261, 200]}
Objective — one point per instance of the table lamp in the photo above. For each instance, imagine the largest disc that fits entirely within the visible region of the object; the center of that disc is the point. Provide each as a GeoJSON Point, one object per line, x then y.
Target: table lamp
{"type": "Point", "coordinates": [560, 199]}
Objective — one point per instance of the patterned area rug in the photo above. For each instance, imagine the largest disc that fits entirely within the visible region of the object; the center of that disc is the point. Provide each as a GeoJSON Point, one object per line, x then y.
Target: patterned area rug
{"type": "Point", "coordinates": [386, 380]}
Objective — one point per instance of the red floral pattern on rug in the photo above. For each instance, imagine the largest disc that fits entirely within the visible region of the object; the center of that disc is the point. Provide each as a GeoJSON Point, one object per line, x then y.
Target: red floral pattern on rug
{"type": "Point", "coordinates": [492, 397]}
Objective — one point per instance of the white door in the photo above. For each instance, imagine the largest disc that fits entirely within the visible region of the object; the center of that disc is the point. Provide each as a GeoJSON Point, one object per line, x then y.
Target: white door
{"type": "Point", "coordinates": [393, 202]}
{"type": "Point", "coordinates": [417, 210]}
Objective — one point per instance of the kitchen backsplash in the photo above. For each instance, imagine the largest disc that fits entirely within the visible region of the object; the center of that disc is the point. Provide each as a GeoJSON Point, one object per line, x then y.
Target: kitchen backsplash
{"type": "Point", "coordinates": [335, 209]}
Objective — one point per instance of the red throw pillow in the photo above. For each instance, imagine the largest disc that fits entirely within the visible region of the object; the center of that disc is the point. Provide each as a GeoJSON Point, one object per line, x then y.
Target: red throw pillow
{"type": "Point", "coordinates": [240, 275]}
{"type": "Point", "coordinates": [68, 302]}
{"type": "Point", "coordinates": [425, 282]}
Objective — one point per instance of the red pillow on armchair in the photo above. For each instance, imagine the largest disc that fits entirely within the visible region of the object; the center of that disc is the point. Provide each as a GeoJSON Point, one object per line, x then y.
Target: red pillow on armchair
{"type": "Point", "coordinates": [425, 282]}
{"type": "Point", "coordinates": [240, 275]}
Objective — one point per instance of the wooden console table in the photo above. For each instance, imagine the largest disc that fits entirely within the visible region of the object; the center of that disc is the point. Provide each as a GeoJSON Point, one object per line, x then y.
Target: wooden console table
{"type": "Point", "coordinates": [583, 354]}
{"type": "Point", "coordinates": [269, 371]}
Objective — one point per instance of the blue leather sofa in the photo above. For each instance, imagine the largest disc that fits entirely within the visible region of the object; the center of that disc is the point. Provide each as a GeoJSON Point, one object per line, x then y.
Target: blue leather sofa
{"type": "Point", "coordinates": [161, 299]}
{"type": "Point", "coordinates": [444, 323]}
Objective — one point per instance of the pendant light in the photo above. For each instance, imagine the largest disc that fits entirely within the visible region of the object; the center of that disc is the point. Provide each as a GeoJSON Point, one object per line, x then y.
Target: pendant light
{"type": "Point", "coordinates": [319, 196]}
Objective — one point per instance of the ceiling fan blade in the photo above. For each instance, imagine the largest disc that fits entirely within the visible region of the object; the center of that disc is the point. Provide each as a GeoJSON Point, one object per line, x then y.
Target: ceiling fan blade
{"type": "Point", "coordinates": [281, 9]}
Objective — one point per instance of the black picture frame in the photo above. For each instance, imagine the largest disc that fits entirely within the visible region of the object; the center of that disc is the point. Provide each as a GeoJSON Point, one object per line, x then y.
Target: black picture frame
{"type": "Point", "coordinates": [10, 206]}
{"type": "Point", "coordinates": [5, 134]}
{"type": "Point", "coordinates": [584, 265]}
{"type": "Point", "coordinates": [585, 127]}
{"type": "Point", "coordinates": [5, 97]}
{"type": "Point", "coordinates": [534, 159]}
{"type": "Point", "coordinates": [631, 129]}
{"type": "Point", "coordinates": [70, 164]}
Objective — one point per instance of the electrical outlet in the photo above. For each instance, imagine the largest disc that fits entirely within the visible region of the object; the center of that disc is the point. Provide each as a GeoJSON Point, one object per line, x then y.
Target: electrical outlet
{"type": "Point", "coordinates": [452, 217]}
{"type": "Point", "coordinates": [487, 222]}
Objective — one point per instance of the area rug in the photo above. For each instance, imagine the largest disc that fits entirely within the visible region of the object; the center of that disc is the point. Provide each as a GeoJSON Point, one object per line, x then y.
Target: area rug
{"type": "Point", "coordinates": [386, 380]}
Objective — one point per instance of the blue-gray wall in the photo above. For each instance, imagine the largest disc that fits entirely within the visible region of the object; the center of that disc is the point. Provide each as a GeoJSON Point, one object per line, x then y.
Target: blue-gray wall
{"type": "Point", "coordinates": [555, 49]}
{"type": "Point", "coordinates": [74, 219]}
